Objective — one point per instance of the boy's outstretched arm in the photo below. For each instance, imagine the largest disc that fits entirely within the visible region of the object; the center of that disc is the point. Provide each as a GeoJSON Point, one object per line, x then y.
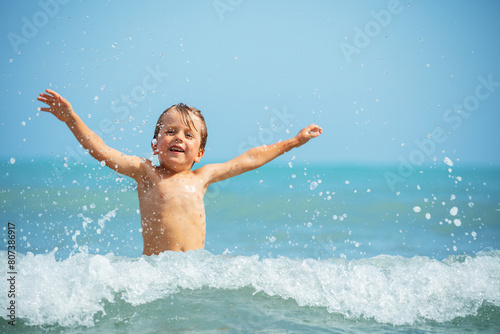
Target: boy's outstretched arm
{"type": "Point", "coordinates": [258, 156]}
{"type": "Point", "coordinates": [62, 109]}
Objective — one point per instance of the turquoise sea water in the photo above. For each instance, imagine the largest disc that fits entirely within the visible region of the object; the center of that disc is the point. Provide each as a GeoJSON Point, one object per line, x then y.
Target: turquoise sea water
{"type": "Point", "coordinates": [290, 248]}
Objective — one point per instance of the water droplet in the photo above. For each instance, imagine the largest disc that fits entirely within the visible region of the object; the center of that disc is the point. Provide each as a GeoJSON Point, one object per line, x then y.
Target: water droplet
{"type": "Point", "coordinates": [454, 211]}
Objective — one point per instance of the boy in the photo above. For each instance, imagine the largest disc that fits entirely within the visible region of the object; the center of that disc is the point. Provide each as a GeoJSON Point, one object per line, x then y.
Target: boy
{"type": "Point", "coordinates": [171, 194]}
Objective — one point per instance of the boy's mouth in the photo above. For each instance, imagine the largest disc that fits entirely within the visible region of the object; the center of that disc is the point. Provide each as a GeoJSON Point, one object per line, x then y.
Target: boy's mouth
{"type": "Point", "coordinates": [176, 149]}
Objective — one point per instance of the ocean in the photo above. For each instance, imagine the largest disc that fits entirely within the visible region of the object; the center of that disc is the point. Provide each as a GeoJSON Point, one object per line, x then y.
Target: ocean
{"type": "Point", "coordinates": [291, 248]}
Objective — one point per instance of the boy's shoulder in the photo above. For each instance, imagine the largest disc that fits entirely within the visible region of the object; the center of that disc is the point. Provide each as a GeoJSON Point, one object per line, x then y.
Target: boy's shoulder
{"type": "Point", "coordinates": [206, 168]}
{"type": "Point", "coordinates": [216, 172]}
{"type": "Point", "coordinates": [206, 171]}
{"type": "Point", "coordinates": [148, 170]}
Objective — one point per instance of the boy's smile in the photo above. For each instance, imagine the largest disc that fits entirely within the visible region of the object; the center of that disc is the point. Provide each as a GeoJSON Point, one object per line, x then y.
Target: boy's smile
{"type": "Point", "coordinates": [176, 149]}
{"type": "Point", "coordinates": [178, 145]}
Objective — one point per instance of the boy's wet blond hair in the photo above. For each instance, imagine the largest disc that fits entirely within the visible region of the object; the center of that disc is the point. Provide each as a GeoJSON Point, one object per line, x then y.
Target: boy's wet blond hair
{"type": "Point", "coordinates": [186, 113]}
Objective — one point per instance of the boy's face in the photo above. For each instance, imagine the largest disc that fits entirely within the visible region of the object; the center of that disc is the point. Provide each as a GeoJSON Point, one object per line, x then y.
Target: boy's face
{"type": "Point", "coordinates": [178, 146]}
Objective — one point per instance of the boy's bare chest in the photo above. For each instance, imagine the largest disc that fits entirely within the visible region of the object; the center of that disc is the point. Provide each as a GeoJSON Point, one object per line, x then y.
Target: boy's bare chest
{"type": "Point", "coordinates": [172, 191]}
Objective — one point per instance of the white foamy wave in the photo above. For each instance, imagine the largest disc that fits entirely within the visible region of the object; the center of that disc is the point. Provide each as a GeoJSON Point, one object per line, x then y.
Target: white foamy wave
{"type": "Point", "coordinates": [388, 289]}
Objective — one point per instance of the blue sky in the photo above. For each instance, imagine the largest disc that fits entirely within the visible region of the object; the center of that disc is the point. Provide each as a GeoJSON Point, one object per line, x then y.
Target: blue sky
{"type": "Point", "coordinates": [387, 80]}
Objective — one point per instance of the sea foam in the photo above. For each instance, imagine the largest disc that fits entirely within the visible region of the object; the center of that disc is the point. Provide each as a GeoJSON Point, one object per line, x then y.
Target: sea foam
{"type": "Point", "coordinates": [387, 289]}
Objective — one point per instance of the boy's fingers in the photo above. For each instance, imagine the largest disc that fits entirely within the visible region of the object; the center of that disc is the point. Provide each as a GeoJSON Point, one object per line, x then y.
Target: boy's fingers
{"type": "Point", "coordinates": [315, 131]}
{"type": "Point", "coordinates": [43, 99]}
{"type": "Point", "coordinates": [47, 99]}
{"type": "Point", "coordinates": [51, 92]}
{"type": "Point", "coordinates": [50, 103]}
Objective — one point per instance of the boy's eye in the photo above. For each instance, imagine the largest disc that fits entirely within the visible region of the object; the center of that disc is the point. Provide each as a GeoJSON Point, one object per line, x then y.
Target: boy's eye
{"type": "Point", "coordinates": [189, 135]}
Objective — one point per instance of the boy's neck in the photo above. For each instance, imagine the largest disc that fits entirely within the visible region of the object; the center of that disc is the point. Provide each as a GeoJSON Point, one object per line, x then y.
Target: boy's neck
{"type": "Point", "coordinates": [168, 171]}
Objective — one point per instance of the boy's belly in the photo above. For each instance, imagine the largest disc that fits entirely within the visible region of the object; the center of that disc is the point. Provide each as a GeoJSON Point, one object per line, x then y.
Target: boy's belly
{"type": "Point", "coordinates": [172, 236]}
{"type": "Point", "coordinates": [172, 218]}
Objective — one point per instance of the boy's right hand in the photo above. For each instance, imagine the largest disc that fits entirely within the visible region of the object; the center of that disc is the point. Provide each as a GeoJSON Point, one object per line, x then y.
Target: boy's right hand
{"type": "Point", "coordinates": [311, 131]}
{"type": "Point", "coordinates": [58, 105]}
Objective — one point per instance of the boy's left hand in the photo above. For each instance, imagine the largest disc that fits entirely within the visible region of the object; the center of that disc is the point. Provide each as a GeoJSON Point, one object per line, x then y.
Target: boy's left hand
{"type": "Point", "coordinates": [312, 131]}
